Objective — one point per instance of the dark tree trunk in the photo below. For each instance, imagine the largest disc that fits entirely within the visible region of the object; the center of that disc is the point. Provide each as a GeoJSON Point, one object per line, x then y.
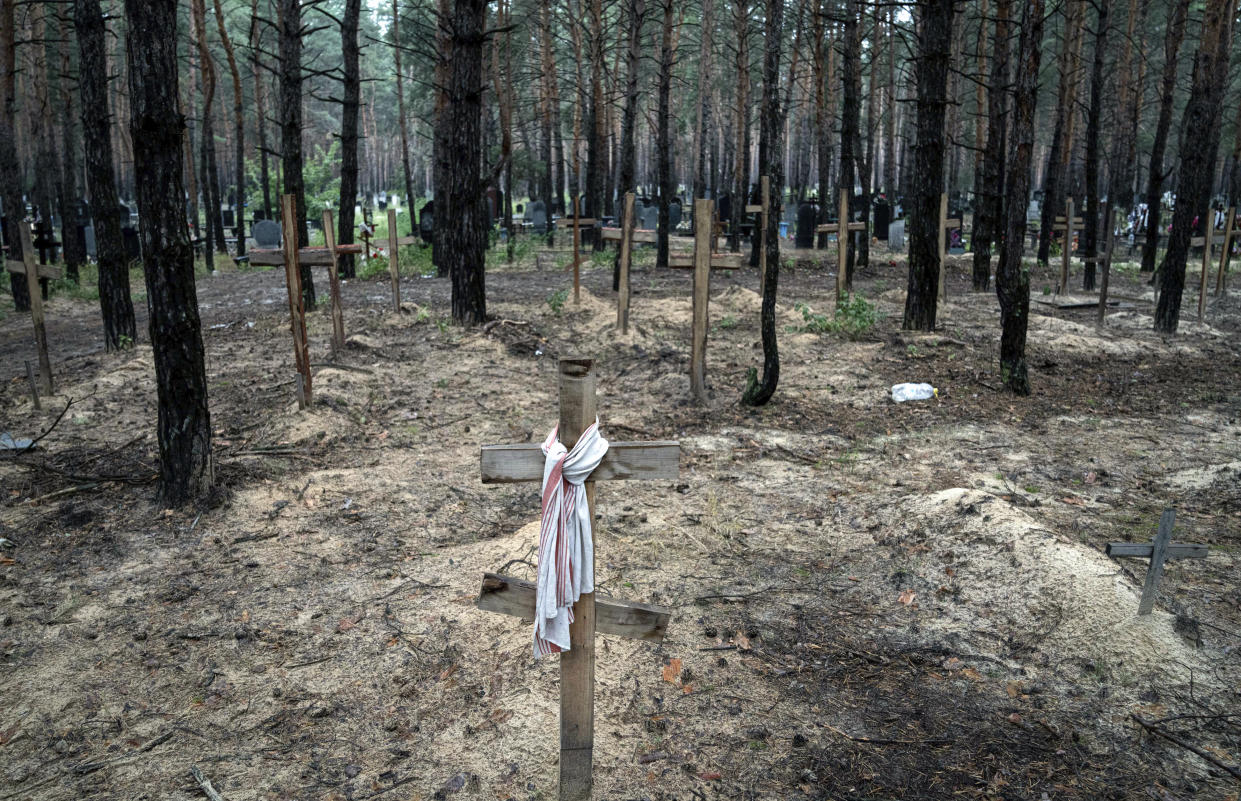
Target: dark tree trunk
{"type": "Point", "coordinates": [636, 12]}
{"type": "Point", "coordinates": [550, 117]}
{"type": "Point", "coordinates": [441, 138]}
{"type": "Point", "coordinates": [260, 115]}
{"type": "Point", "coordinates": [1199, 146]}
{"type": "Point", "coordinates": [701, 181]}
{"type": "Point", "coordinates": [596, 146]}
{"type": "Point", "coordinates": [1058, 157]}
{"type": "Point", "coordinates": [850, 112]}
{"type": "Point", "coordinates": [1090, 225]}
{"type": "Point", "coordinates": [987, 223]}
{"type": "Point", "coordinates": [741, 170]}
{"type": "Point", "coordinates": [184, 429]}
{"type": "Point", "coordinates": [934, 54]}
{"type": "Point", "coordinates": [1155, 174]}
{"type": "Point", "coordinates": [208, 173]}
{"type": "Point", "coordinates": [291, 129]}
{"type": "Point", "coordinates": [771, 161]}
{"type": "Point", "coordinates": [663, 136]}
{"type": "Point", "coordinates": [350, 47]}
{"type": "Point", "coordinates": [119, 329]}
{"type": "Point", "coordinates": [822, 122]}
{"type": "Point", "coordinates": [1012, 279]}
{"type": "Point", "coordinates": [239, 131]}
{"type": "Point", "coordinates": [461, 200]}
{"type": "Point", "coordinates": [73, 244]}
{"type": "Point", "coordinates": [10, 169]}
{"type": "Point", "coordinates": [350, 104]}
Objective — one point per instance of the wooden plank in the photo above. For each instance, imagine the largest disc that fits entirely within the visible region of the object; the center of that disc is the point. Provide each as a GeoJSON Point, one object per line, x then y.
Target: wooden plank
{"type": "Point", "coordinates": [293, 281]}
{"type": "Point", "coordinates": [681, 261]}
{"type": "Point", "coordinates": [1143, 550]}
{"type": "Point", "coordinates": [403, 241]}
{"type": "Point", "coordinates": [505, 464]}
{"type": "Point", "coordinates": [577, 665]}
{"type": "Point", "coordinates": [1076, 220]}
{"type": "Point", "coordinates": [269, 258]}
{"type": "Point", "coordinates": [1159, 553]}
{"type": "Point", "coordinates": [943, 246]}
{"type": "Point", "coordinates": [626, 248]}
{"type": "Point", "coordinates": [842, 246]}
{"type": "Point", "coordinates": [1067, 247]}
{"type": "Point", "coordinates": [1227, 250]}
{"type": "Point", "coordinates": [43, 270]}
{"type": "Point", "coordinates": [314, 257]}
{"type": "Point", "coordinates": [701, 297]}
{"type": "Point", "coordinates": [36, 308]}
{"type": "Point", "coordinates": [338, 319]}
{"type": "Point", "coordinates": [754, 209]}
{"type": "Point", "coordinates": [636, 621]}
{"type": "Point", "coordinates": [952, 223]}
{"type": "Point", "coordinates": [644, 235]}
{"type": "Point", "coordinates": [830, 228]}
{"type": "Point", "coordinates": [394, 273]}
{"type": "Point", "coordinates": [582, 222]}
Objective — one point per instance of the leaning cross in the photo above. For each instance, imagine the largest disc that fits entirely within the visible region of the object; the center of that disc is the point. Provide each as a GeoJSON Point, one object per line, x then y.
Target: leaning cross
{"type": "Point", "coordinates": [33, 273]}
{"type": "Point", "coordinates": [1158, 551]}
{"type": "Point", "coordinates": [591, 614]}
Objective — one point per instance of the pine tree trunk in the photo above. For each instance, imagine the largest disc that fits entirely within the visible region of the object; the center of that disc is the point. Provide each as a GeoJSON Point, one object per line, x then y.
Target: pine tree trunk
{"type": "Point", "coordinates": [1199, 146]}
{"type": "Point", "coordinates": [461, 201]}
{"type": "Point", "coordinates": [741, 170]}
{"type": "Point", "coordinates": [441, 137]}
{"type": "Point", "coordinates": [1090, 228]}
{"type": "Point", "coordinates": [184, 427]}
{"type": "Point", "coordinates": [291, 129]}
{"type": "Point", "coordinates": [1012, 278]}
{"type": "Point", "coordinates": [934, 55]}
{"type": "Point", "coordinates": [850, 84]}
{"type": "Point", "coordinates": [635, 13]}
{"type": "Point", "coordinates": [551, 186]}
{"type": "Point", "coordinates": [987, 221]}
{"type": "Point", "coordinates": [350, 49]}
{"type": "Point", "coordinates": [1155, 175]}
{"type": "Point", "coordinates": [350, 103]}
{"type": "Point", "coordinates": [239, 132]}
{"type": "Point", "coordinates": [74, 242]}
{"type": "Point", "coordinates": [10, 169]}
{"type": "Point", "coordinates": [1058, 157]}
{"type": "Point", "coordinates": [771, 163]}
{"type": "Point", "coordinates": [596, 148]}
{"type": "Point", "coordinates": [260, 115]}
{"type": "Point", "coordinates": [663, 144]}
{"type": "Point", "coordinates": [115, 303]}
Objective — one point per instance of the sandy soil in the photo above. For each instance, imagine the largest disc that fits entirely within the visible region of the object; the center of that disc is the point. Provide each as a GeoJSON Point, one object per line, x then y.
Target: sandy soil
{"type": "Point", "coordinates": [870, 600]}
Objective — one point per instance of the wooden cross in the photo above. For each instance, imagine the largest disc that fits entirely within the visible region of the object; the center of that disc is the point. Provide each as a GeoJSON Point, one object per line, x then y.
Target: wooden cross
{"type": "Point", "coordinates": [338, 318]}
{"type": "Point", "coordinates": [591, 614]}
{"type": "Point", "coordinates": [945, 225]}
{"type": "Point", "coordinates": [34, 272]}
{"type": "Point", "coordinates": [394, 242]}
{"type": "Point", "coordinates": [842, 241]}
{"type": "Point", "coordinates": [1230, 232]}
{"type": "Point", "coordinates": [626, 254]}
{"type": "Point", "coordinates": [1157, 551]}
{"type": "Point", "coordinates": [1066, 225]}
{"type": "Point", "coordinates": [575, 222]}
{"type": "Point", "coordinates": [762, 209]}
{"type": "Point", "coordinates": [297, 311]}
{"type": "Point", "coordinates": [1206, 240]}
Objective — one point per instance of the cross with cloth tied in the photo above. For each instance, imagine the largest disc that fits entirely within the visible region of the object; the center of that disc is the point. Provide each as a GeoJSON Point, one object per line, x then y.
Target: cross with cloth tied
{"type": "Point", "coordinates": [566, 611]}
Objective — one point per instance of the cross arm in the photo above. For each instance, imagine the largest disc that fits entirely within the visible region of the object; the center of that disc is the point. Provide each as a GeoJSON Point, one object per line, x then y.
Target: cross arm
{"type": "Point", "coordinates": [719, 261]}
{"type": "Point", "coordinates": [510, 596]}
{"type": "Point", "coordinates": [1143, 550]}
{"type": "Point", "coordinates": [830, 228]}
{"type": "Point", "coordinates": [582, 222]}
{"type": "Point", "coordinates": [505, 464]}
{"type": "Point", "coordinates": [953, 223]}
{"type": "Point", "coordinates": [42, 270]}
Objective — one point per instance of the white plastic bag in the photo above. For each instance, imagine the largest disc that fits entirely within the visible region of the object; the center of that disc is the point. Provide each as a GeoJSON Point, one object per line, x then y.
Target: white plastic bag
{"type": "Point", "coordinates": [908, 392]}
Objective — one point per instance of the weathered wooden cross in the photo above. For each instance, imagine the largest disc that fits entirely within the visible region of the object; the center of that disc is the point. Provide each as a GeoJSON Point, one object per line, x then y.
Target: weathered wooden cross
{"type": "Point", "coordinates": [575, 222]}
{"type": "Point", "coordinates": [33, 272]}
{"type": "Point", "coordinates": [945, 225]}
{"type": "Point", "coordinates": [591, 614]}
{"type": "Point", "coordinates": [1066, 225]}
{"type": "Point", "coordinates": [1205, 241]}
{"type": "Point", "coordinates": [842, 240]}
{"type": "Point", "coordinates": [703, 261]}
{"type": "Point", "coordinates": [1158, 552]}
{"type": "Point", "coordinates": [1231, 231]}
{"type": "Point", "coordinates": [395, 242]}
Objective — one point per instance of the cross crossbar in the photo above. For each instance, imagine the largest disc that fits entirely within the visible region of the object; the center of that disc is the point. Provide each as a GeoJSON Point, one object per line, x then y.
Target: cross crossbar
{"type": "Point", "coordinates": [647, 235]}
{"type": "Point", "coordinates": [1158, 551]}
{"type": "Point", "coordinates": [41, 270]}
{"type": "Point", "coordinates": [1143, 550]}
{"type": "Point", "coordinates": [315, 257]}
{"type": "Point", "coordinates": [506, 464]}
{"type": "Point", "coordinates": [581, 222]}
{"type": "Point", "coordinates": [952, 223]}
{"type": "Point", "coordinates": [637, 621]}
{"type": "Point", "coordinates": [830, 228]}
{"type": "Point", "coordinates": [719, 261]}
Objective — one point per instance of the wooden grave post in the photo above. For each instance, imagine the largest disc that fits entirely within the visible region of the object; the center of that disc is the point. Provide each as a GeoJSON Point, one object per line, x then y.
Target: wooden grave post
{"type": "Point", "coordinates": [592, 614]}
{"type": "Point", "coordinates": [338, 317]}
{"type": "Point", "coordinates": [394, 273]}
{"type": "Point", "coordinates": [1158, 551]}
{"type": "Point", "coordinates": [1067, 249]}
{"type": "Point", "coordinates": [762, 209]}
{"type": "Point", "coordinates": [1106, 260]}
{"type": "Point", "coordinates": [293, 280]}
{"type": "Point", "coordinates": [945, 225]}
{"type": "Point", "coordinates": [1208, 236]}
{"type": "Point", "coordinates": [1230, 232]}
{"type": "Point", "coordinates": [577, 255]}
{"type": "Point", "coordinates": [842, 240]}
{"type": "Point", "coordinates": [626, 252]}
{"type": "Point", "coordinates": [34, 387]}
{"type": "Point", "coordinates": [33, 272]}
{"type": "Point", "coordinates": [702, 286]}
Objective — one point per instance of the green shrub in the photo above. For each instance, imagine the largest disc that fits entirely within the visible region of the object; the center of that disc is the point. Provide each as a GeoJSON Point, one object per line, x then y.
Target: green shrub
{"type": "Point", "coordinates": [556, 300]}
{"type": "Point", "coordinates": [855, 317]}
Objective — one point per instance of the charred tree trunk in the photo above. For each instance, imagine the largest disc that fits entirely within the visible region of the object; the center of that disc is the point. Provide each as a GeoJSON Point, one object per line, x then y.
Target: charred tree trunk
{"type": "Point", "coordinates": [208, 173]}
{"type": "Point", "coordinates": [663, 136]}
{"type": "Point", "coordinates": [461, 200]}
{"type": "Point", "coordinates": [349, 47]}
{"type": "Point", "coordinates": [987, 221]}
{"type": "Point", "coordinates": [1199, 146]}
{"type": "Point", "coordinates": [74, 245]}
{"type": "Point", "coordinates": [934, 54]}
{"type": "Point", "coordinates": [350, 103]}
{"type": "Point", "coordinates": [596, 148]}
{"type": "Point", "coordinates": [550, 118]}
{"type": "Point", "coordinates": [239, 131]}
{"type": "Point", "coordinates": [184, 429]}
{"type": "Point", "coordinates": [636, 12]}
{"type": "Point", "coordinates": [850, 112]}
{"type": "Point", "coordinates": [1155, 174]}
{"type": "Point", "coordinates": [260, 116]}
{"type": "Point", "coordinates": [741, 170]}
{"type": "Point", "coordinates": [48, 186]}
{"type": "Point", "coordinates": [441, 138]}
{"type": "Point", "coordinates": [1012, 278]}
{"type": "Point", "coordinates": [119, 329]}
{"type": "Point", "coordinates": [1090, 225]}
{"type": "Point", "coordinates": [1058, 157]}
{"type": "Point", "coordinates": [10, 169]}
{"type": "Point", "coordinates": [702, 132]}
{"type": "Point", "coordinates": [291, 129]}
{"type": "Point", "coordinates": [771, 161]}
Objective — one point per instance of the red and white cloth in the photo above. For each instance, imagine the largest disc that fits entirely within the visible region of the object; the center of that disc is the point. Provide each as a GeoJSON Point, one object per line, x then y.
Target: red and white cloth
{"type": "Point", "coordinates": [566, 549]}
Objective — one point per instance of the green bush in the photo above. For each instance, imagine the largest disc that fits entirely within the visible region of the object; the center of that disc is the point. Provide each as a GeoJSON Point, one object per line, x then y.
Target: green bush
{"type": "Point", "coordinates": [556, 300]}
{"type": "Point", "coordinates": [855, 317]}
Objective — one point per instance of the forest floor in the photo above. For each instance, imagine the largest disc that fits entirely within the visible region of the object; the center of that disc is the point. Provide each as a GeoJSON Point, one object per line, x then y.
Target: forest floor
{"type": "Point", "coordinates": [870, 600]}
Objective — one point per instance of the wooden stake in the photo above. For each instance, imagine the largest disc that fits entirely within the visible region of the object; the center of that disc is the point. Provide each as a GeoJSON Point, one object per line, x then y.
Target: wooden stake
{"type": "Point", "coordinates": [626, 248]}
{"type": "Point", "coordinates": [34, 387]}
{"type": "Point", "coordinates": [943, 246]}
{"type": "Point", "coordinates": [702, 285]}
{"type": "Point", "coordinates": [293, 279]}
{"type": "Point", "coordinates": [333, 271]}
{"type": "Point", "coordinates": [393, 264]}
{"type": "Point", "coordinates": [33, 272]}
{"type": "Point", "coordinates": [764, 200]}
{"type": "Point", "coordinates": [1107, 261]}
{"type": "Point", "coordinates": [1227, 251]}
{"type": "Point", "coordinates": [842, 245]}
{"type": "Point", "coordinates": [301, 391]}
{"type": "Point", "coordinates": [577, 256]}
{"type": "Point", "coordinates": [1068, 247]}
{"type": "Point", "coordinates": [577, 666]}
{"type": "Point", "coordinates": [1158, 554]}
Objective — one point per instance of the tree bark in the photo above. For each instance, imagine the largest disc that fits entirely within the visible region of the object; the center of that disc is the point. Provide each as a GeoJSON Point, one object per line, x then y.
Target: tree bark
{"type": "Point", "coordinates": [663, 136]}
{"type": "Point", "coordinates": [260, 116]}
{"type": "Point", "coordinates": [987, 221]}
{"type": "Point", "coordinates": [741, 170]}
{"type": "Point", "coordinates": [350, 48]}
{"type": "Point", "coordinates": [636, 14]}
{"type": "Point", "coordinates": [1012, 278]}
{"type": "Point", "coordinates": [1090, 228]}
{"type": "Point", "coordinates": [291, 129]}
{"type": "Point", "coordinates": [934, 54]}
{"type": "Point", "coordinates": [757, 392]}
{"type": "Point", "coordinates": [461, 201]}
{"type": "Point", "coordinates": [239, 131]}
{"type": "Point", "coordinates": [10, 169]}
{"type": "Point", "coordinates": [350, 103]}
{"type": "Point", "coordinates": [1059, 155]}
{"type": "Point", "coordinates": [115, 302]}
{"type": "Point", "coordinates": [596, 148]}
{"type": "Point", "coordinates": [1199, 146]}
{"type": "Point", "coordinates": [850, 111]}
{"type": "Point", "coordinates": [74, 245]}
{"type": "Point", "coordinates": [184, 427]}
{"type": "Point", "coordinates": [1155, 174]}
{"type": "Point", "coordinates": [550, 119]}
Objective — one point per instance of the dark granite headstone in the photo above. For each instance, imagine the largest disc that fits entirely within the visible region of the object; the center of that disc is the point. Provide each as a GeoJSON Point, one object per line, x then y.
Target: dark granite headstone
{"type": "Point", "coordinates": [674, 214]}
{"type": "Point", "coordinates": [267, 234]}
{"type": "Point", "coordinates": [883, 217]}
{"type": "Point", "coordinates": [650, 217]}
{"type": "Point", "coordinates": [426, 224]}
{"type": "Point", "coordinates": [807, 218]}
{"type": "Point", "coordinates": [538, 215]}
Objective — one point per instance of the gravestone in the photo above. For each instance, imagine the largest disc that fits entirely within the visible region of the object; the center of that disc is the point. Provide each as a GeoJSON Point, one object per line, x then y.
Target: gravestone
{"type": "Point", "coordinates": [267, 234]}
{"type": "Point", "coordinates": [426, 222]}
{"type": "Point", "coordinates": [226, 216]}
{"type": "Point", "coordinates": [674, 215]}
{"type": "Point", "coordinates": [807, 218]}
{"type": "Point", "coordinates": [538, 215]}
{"type": "Point", "coordinates": [89, 233]}
{"type": "Point", "coordinates": [133, 247]}
{"type": "Point", "coordinates": [650, 217]}
{"type": "Point", "coordinates": [883, 217]}
{"type": "Point", "coordinates": [896, 235]}
{"type": "Point", "coordinates": [725, 208]}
